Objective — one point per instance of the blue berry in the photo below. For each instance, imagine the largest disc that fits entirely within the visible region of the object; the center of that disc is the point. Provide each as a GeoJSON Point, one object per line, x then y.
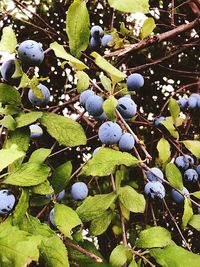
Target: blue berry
{"type": "Point", "coordinates": [51, 217]}
{"type": "Point", "coordinates": [94, 105]}
{"type": "Point", "coordinates": [101, 117]}
{"type": "Point", "coordinates": [135, 81]}
{"type": "Point", "coordinates": [59, 197]}
{"type": "Point", "coordinates": [96, 150]}
{"type": "Point", "coordinates": [95, 42]}
{"type": "Point", "coordinates": [110, 133]}
{"type": "Point", "coordinates": [96, 31]}
{"type": "Point", "coordinates": [31, 53]}
{"type": "Point", "coordinates": [79, 191]}
{"type": "Point", "coordinates": [127, 107]}
{"type": "Point", "coordinates": [189, 159]}
{"type": "Point", "coordinates": [35, 131]}
{"type": "Point", "coordinates": [106, 39]}
{"type": "Point", "coordinates": [126, 142]}
{"type": "Point", "coordinates": [191, 175]}
{"type": "Point", "coordinates": [193, 101]}
{"type": "Point", "coordinates": [177, 197]}
{"type": "Point", "coordinates": [8, 69]}
{"type": "Point", "coordinates": [182, 163]}
{"type": "Point", "coordinates": [7, 201]}
{"type": "Point", "coordinates": [158, 174]}
{"type": "Point", "coordinates": [158, 120]}
{"type": "Point", "coordinates": [198, 169]}
{"type": "Point", "coordinates": [85, 95]}
{"type": "Point", "coordinates": [154, 190]}
{"type": "Point", "coordinates": [183, 102]}
{"type": "Point", "coordinates": [39, 101]}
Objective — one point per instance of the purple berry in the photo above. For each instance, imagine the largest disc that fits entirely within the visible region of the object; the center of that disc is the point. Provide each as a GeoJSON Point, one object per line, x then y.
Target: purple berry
{"type": "Point", "coordinates": [110, 133]}
{"type": "Point", "coordinates": [191, 175]}
{"type": "Point", "coordinates": [96, 31]}
{"type": "Point", "coordinates": [126, 142]}
{"type": "Point", "coordinates": [106, 39]}
{"type": "Point", "coordinates": [135, 81]}
{"type": "Point", "coordinates": [85, 95]}
{"type": "Point", "coordinates": [154, 190]}
{"type": "Point", "coordinates": [36, 101]}
{"type": "Point", "coordinates": [79, 191]}
{"type": "Point", "coordinates": [158, 120]}
{"type": "Point", "coordinates": [177, 197]}
{"type": "Point", "coordinates": [127, 107]}
{"type": "Point", "coordinates": [94, 105]}
{"type": "Point", "coordinates": [7, 201]}
{"type": "Point", "coordinates": [155, 175]}
{"type": "Point", "coordinates": [35, 131]}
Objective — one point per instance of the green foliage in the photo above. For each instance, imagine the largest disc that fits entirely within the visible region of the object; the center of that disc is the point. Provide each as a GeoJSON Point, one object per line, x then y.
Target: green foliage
{"type": "Point", "coordinates": [164, 152]}
{"type": "Point", "coordinates": [131, 199]}
{"type": "Point", "coordinates": [66, 131]}
{"type": "Point", "coordinates": [65, 219]}
{"type": "Point", "coordinates": [29, 174]}
{"type": "Point", "coordinates": [195, 222]}
{"type": "Point", "coordinates": [173, 255]}
{"type": "Point", "coordinates": [174, 110]}
{"type": "Point", "coordinates": [153, 237]}
{"type": "Point", "coordinates": [147, 28]}
{"type": "Point", "coordinates": [128, 5]}
{"type": "Point", "coordinates": [174, 176]}
{"type": "Point", "coordinates": [8, 122]}
{"type": "Point", "coordinates": [9, 95]}
{"type": "Point", "coordinates": [188, 212]}
{"type": "Point", "coordinates": [93, 207]}
{"type": "Point", "coordinates": [61, 176]}
{"type": "Point", "coordinates": [8, 40]}
{"type": "Point", "coordinates": [170, 127]}
{"type": "Point", "coordinates": [61, 53]}
{"type": "Point", "coordinates": [40, 155]}
{"type": "Point", "coordinates": [21, 208]}
{"type": "Point", "coordinates": [25, 119]}
{"type": "Point", "coordinates": [119, 256]}
{"type": "Point", "coordinates": [99, 225]}
{"type": "Point", "coordinates": [83, 81]}
{"type": "Point", "coordinates": [105, 161]}
{"type": "Point", "coordinates": [17, 248]}
{"type": "Point", "coordinates": [103, 64]}
{"type": "Point", "coordinates": [78, 29]}
{"type": "Point", "coordinates": [109, 107]}
{"type": "Point", "coordinates": [193, 146]}
{"type": "Point", "coordinates": [107, 83]}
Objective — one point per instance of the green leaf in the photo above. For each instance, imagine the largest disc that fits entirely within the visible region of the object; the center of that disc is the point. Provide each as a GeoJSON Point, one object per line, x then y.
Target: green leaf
{"type": "Point", "coordinates": [25, 119]}
{"type": "Point", "coordinates": [147, 28]}
{"type": "Point", "coordinates": [188, 212]}
{"type": "Point", "coordinates": [25, 81]}
{"type": "Point", "coordinates": [93, 207]}
{"type": "Point", "coordinates": [105, 161]}
{"type": "Point", "coordinates": [83, 81]}
{"type": "Point", "coordinates": [174, 109]}
{"type": "Point", "coordinates": [78, 29]}
{"type": "Point", "coordinates": [130, 7]}
{"type": "Point", "coordinates": [99, 225]}
{"type": "Point", "coordinates": [133, 264]}
{"type": "Point", "coordinates": [40, 155]}
{"type": "Point", "coordinates": [107, 83]}
{"type": "Point", "coordinates": [61, 53]}
{"type": "Point", "coordinates": [65, 219]}
{"type": "Point", "coordinates": [18, 69]}
{"type": "Point", "coordinates": [8, 40]}
{"type": "Point", "coordinates": [52, 249]}
{"type": "Point", "coordinates": [61, 176]}
{"type": "Point", "coordinates": [109, 107]}
{"type": "Point", "coordinates": [9, 155]}
{"type": "Point", "coordinates": [9, 109]}
{"type": "Point", "coordinates": [103, 64]}
{"type": "Point", "coordinates": [54, 252]}
{"type": "Point", "coordinates": [131, 199]}
{"type": "Point", "coordinates": [9, 95]}
{"type": "Point", "coordinates": [196, 194]}
{"type": "Point", "coordinates": [195, 222]}
{"type": "Point", "coordinates": [42, 189]}
{"type": "Point", "coordinates": [173, 255]}
{"type": "Point", "coordinates": [119, 256]}
{"type": "Point", "coordinates": [170, 127]}
{"type": "Point", "coordinates": [29, 174]}
{"type": "Point", "coordinates": [33, 84]}
{"type": "Point", "coordinates": [164, 152]}
{"type": "Point", "coordinates": [66, 131]}
{"type": "Point", "coordinates": [153, 237]}
{"type": "Point", "coordinates": [21, 138]}
{"type": "Point", "coordinates": [174, 176]}
{"type": "Point", "coordinates": [21, 207]}
{"type": "Point", "coordinates": [193, 146]}
{"type": "Point", "coordinates": [8, 122]}
{"type": "Point", "coordinates": [17, 248]}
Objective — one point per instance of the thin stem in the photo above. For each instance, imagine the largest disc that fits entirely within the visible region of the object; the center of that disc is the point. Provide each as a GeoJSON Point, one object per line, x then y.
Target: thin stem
{"type": "Point", "coordinates": [177, 227]}
{"type": "Point", "coordinates": [83, 251]}
{"type": "Point", "coordinates": [142, 257]}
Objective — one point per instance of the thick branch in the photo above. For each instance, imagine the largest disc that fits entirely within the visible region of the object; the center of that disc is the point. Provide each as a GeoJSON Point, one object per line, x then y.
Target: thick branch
{"type": "Point", "coordinates": [155, 39]}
